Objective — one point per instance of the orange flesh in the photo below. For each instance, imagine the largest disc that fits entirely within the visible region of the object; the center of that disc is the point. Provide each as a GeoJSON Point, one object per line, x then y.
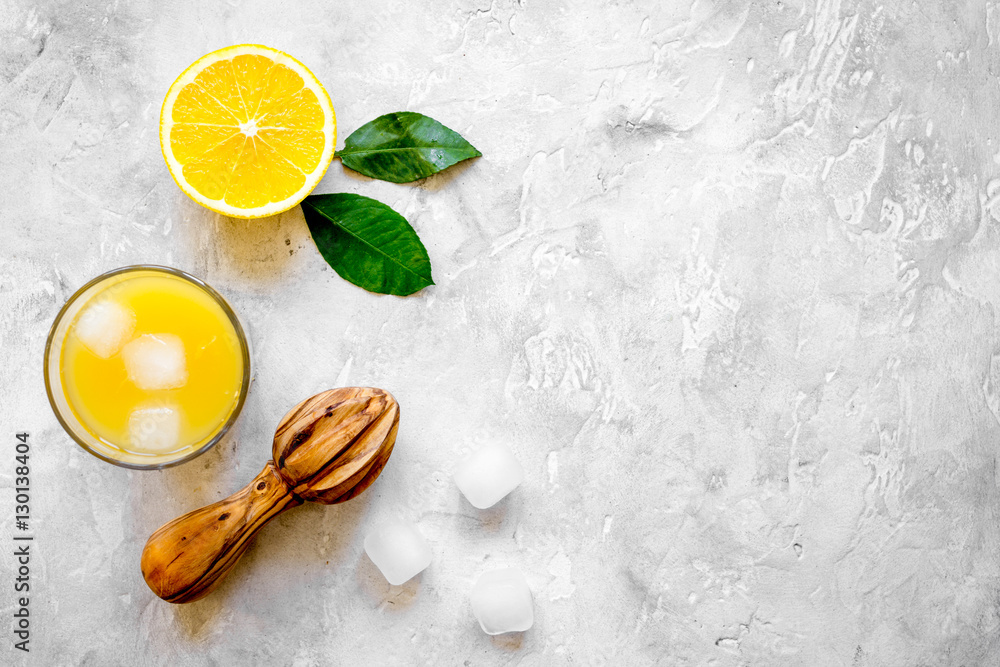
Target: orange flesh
{"type": "Point", "coordinates": [247, 131]}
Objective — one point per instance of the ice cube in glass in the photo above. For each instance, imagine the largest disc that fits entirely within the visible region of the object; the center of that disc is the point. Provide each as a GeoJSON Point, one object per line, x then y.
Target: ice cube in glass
{"type": "Point", "coordinates": [156, 361]}
{"type": "Point", "coordinates": [154, 429]}
{"type": "Point", "coordinates": [104, 327]}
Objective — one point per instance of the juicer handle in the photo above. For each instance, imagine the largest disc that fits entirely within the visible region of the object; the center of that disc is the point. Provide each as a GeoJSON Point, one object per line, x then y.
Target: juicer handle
{"type": "Point", "coordinates": [187, 558]}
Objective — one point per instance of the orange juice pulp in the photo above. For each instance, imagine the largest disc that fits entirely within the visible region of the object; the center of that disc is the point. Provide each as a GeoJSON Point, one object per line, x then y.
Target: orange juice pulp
{"type": "Point", "coordinates": [100, 392]}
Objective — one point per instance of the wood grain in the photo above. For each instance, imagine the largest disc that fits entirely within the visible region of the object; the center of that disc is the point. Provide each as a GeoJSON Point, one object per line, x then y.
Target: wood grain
{"type": "Point", "coordinates": [327, 449]}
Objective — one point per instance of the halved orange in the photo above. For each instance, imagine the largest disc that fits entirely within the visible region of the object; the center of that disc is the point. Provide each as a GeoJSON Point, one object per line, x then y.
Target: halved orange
{"type": "Point", "coordinates": [247, 131]}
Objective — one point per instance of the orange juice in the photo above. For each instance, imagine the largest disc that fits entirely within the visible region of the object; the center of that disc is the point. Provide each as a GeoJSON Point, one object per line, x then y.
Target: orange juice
{"type": "Point", "coordinates": [152, 365]}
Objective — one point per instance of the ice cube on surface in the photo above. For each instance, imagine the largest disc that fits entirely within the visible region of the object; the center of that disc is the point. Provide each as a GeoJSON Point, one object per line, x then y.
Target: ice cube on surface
{"type": "Point", "coordinates": [488, 475]}
{"type": "Point", "coordinates": [156, 361]}
{"type": "Point", "coordinates": [398, 550]}
{"type": "Point", "coordinates": [154, 429]}
{"type": "Point", "coordinates": [104, 327]}
{"type": "Point", "coordinates": [501, 601]}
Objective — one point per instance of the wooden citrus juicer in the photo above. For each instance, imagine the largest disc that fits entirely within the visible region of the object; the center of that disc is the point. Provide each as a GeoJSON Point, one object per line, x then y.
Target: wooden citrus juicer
{"type": "Point", "coordinates": [327, 449]}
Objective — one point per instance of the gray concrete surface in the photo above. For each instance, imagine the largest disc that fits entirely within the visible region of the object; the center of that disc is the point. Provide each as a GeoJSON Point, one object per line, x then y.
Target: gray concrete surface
{"type": "Point", "coordinates": [726, 280]}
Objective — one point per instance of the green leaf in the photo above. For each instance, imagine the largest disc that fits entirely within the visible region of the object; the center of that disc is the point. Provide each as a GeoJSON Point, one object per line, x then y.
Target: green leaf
{"type": "Point", "coordinates": [404, 146]}
{"type": "Point", "coordinates": [368, 243]}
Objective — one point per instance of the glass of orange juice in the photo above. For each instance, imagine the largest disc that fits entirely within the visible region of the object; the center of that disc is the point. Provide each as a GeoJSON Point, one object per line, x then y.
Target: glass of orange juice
{"type": "Point", "coordinates": [147, 367]}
